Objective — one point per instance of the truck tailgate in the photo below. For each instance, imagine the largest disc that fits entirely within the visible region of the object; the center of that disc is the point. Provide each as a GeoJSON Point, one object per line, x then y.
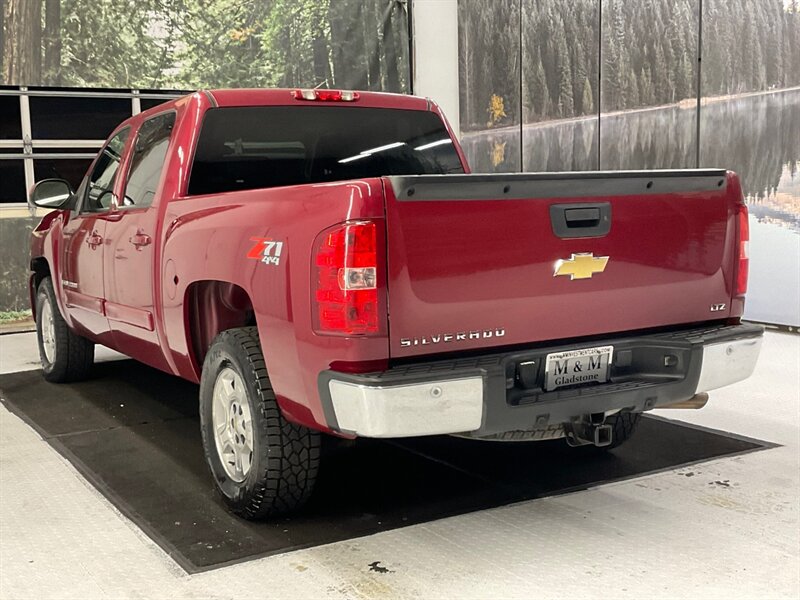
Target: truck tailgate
{"type": "Point", "coordinates": [476, 261]}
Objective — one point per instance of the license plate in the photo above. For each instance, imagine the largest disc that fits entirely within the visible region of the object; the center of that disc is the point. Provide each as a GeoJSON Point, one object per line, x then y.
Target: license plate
{"type": "Point", "coordinates": [577, 366]}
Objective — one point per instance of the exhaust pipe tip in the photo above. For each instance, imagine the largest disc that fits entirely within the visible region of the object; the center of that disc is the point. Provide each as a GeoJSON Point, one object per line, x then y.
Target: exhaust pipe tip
{"type": "Point", "coordinates": [695, 402]}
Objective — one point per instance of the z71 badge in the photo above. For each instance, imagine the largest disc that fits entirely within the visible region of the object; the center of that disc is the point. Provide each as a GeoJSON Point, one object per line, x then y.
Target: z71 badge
{"type": "Point", "coordinates": [266, 250]}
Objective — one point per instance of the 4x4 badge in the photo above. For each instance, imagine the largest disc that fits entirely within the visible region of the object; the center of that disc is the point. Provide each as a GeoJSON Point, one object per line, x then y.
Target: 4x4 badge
{"type": "Point", "coordinates": [266, 250]}
{"type": "Point", "coordinates": [580, 266]}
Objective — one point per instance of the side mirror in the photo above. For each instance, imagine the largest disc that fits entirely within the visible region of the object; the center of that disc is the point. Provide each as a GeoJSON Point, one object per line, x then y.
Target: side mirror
{"type": "Point", "coordinates": [52, 193]}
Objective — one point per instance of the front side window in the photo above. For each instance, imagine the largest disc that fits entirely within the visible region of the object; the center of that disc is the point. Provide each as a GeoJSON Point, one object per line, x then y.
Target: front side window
{"type": "Point", "coordinates": [243, 148]}
{"type": "Point", "coordinates": [100, 186]}
{"type": "Point", "coordinates": [147, 162]}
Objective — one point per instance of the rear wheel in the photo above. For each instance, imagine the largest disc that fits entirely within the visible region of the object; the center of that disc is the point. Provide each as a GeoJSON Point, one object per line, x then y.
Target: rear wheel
{"type": "Point", "coordinates": [262, 464]}
{"type": "Point", "coordinates": [65, 355]}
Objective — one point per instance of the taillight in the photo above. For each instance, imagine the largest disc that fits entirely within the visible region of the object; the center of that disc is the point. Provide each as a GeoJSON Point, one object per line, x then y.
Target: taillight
{"type": "Point", "coordinates": [349, 295]}
{"type": "Point", "coordinates": [326, 95]}
{"type": "Point", "coordinates": [742, 251]}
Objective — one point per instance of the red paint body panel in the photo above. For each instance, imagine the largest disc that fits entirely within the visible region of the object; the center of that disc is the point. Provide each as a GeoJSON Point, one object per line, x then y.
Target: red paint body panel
{"type": "Point", "coordinates": [82, 274]}
{"type": "Point", "coordinates": [458, 266]}
{"type": "Point", "coordinates": [90, 304]}
{"type": "Point", "coordinates": [450, 265]}
{"type": "Point", "coordinates": [210, 239]}
{"type": "Point", "coordinates": [123, 314]}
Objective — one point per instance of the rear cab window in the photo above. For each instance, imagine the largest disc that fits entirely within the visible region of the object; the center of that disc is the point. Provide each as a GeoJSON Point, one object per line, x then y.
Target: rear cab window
{"type": "Point", "coordinates": [242, 148]}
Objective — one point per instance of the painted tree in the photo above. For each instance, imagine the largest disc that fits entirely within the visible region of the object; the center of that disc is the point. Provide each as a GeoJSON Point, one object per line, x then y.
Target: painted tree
{"type": "Point", "coordinates": [21, 48]}
{"type": "Point", "coordinates": [565, 99]}
{"type": "Point", "coordinates": [537, 92]}
{"type": "Point", "coordinates": [51, 43]}
{"type": "Point", "coordinates": [587, 98]}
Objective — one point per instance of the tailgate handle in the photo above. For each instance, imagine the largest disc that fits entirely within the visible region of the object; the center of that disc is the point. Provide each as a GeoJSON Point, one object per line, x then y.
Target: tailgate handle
{"type": "Point", "coordinates": [582, 217]}
{"type": "Point", "coordinates": [581, 220]}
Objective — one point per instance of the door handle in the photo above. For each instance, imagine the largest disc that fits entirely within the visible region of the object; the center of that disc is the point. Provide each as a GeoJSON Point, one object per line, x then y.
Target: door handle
{"type": "Point", "coordinates": [94, 240]}
{"type": "Point", "coordinates": [140, 240]}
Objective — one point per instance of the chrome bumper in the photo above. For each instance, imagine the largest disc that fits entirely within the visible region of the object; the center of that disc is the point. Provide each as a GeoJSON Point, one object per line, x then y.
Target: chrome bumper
{"type": "Point", "coordinates": [446, 397]}
{"type": "Point", "coordinates": [727, 363]}
{"type": "Point", "coordinates": [429, 408]}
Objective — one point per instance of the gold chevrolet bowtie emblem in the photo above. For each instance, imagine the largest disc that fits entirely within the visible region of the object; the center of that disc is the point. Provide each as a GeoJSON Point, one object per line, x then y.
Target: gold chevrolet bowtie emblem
{"type": "Point", "coordinates": [581, 266]}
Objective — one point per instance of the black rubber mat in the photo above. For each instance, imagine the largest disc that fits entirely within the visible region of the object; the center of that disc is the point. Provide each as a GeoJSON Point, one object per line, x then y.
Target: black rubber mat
{"type": "Point", "coordinates": [133, 432]}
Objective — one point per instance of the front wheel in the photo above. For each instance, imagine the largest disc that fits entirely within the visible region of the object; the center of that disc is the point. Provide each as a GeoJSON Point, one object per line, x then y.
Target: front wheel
{"type": "Point", "coordinates": [65, 356]}
{"type": "Point", "coordinates": [262, 464]}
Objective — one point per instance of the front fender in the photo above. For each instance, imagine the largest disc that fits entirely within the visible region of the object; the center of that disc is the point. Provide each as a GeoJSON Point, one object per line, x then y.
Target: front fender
{"type": "Point", "coordinates": [45, 259]}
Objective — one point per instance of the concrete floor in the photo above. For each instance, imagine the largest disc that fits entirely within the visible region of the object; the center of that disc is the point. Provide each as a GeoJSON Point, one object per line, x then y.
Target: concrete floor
{"type": "Point", "coordinates": [728, 528]}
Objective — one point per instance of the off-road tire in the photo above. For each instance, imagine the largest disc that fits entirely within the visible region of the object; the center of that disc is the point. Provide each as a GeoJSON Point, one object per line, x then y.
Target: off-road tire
{"type": "Point", "coordinates": [285, 457]}
{"type": "Point", "coordinates": [74, 354]}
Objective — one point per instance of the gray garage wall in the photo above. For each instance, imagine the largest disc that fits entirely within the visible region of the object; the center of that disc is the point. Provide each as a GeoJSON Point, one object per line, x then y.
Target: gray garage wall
{"type": "Point", "coordinates": [547, 85]}
{"type": "Point", "coordinates": [15, 241]}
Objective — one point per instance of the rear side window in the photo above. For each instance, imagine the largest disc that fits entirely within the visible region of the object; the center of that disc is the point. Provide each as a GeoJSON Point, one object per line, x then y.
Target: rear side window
{"type": "Point", "coordinates": [147, 162]}
{"type": "Point", "coordinates": [246, 148]}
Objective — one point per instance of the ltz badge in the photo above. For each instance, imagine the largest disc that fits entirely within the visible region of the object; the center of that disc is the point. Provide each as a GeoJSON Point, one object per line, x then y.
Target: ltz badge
{"type": "Point", "coordinates": [266, 250]}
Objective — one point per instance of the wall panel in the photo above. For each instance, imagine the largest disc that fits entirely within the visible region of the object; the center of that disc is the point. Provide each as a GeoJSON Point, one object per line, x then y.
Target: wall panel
{"type": "Point", "coordinates": [649, 84]}
{"type": "Point", "coordinates": [560, 85]}
{"type": "Point", "coordinates": [750, 123]}
{"type": "Point", "coordinates": [489, 83]}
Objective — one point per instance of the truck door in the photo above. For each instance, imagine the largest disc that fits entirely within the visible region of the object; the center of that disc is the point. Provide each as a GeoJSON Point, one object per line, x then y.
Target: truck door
{"type": "Point", "coordinates": [130, 235]}
{"type": "Point", "coordinates": [84, 242]}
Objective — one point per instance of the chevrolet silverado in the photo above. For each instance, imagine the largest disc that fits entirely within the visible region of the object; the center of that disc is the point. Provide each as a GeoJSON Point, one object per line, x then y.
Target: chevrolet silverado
{"type": "Point", "coordinates": [323, 262]}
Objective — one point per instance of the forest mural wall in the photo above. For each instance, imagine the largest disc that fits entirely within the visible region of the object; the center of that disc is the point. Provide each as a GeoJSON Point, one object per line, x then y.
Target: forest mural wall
{"type": "Point", "coordinates": [548, 85]}
{"type": "Point", "coordinates": [157, 46]}
{"type": "Point", "coordinates": [186, 44]}
{"type": "Point", "coordinates": [649, 53]}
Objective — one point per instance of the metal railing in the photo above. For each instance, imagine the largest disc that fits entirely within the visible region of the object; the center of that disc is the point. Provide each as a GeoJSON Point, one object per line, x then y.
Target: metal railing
{"type": "Point", "coordinates": [23, 148]}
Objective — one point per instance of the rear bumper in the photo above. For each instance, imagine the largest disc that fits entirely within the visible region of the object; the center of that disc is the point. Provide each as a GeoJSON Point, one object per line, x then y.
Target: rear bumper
{"type": "Point", "coordinates": [496, 393]}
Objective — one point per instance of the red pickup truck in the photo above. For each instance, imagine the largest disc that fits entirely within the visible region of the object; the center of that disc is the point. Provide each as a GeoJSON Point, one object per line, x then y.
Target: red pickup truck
{"type": "Point", "coordinates": [322, 261]}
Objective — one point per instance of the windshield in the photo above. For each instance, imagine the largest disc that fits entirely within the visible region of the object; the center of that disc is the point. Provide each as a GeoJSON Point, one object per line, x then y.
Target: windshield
{"type": "Point", "coordinates": [246, 148]}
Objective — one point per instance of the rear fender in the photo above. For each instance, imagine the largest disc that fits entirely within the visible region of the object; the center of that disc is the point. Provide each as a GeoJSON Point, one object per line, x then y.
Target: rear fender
{"type": "Point", "coordinates": [258, 244]}
{"type": "Point", "coordinates": [213, 307]}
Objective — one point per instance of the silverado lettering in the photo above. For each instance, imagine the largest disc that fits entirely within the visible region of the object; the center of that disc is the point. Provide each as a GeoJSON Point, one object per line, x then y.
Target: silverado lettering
{"type": "Point", "coordinates": [167, 252]}
{"type": "Point", "coordinates": [450, 337]}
